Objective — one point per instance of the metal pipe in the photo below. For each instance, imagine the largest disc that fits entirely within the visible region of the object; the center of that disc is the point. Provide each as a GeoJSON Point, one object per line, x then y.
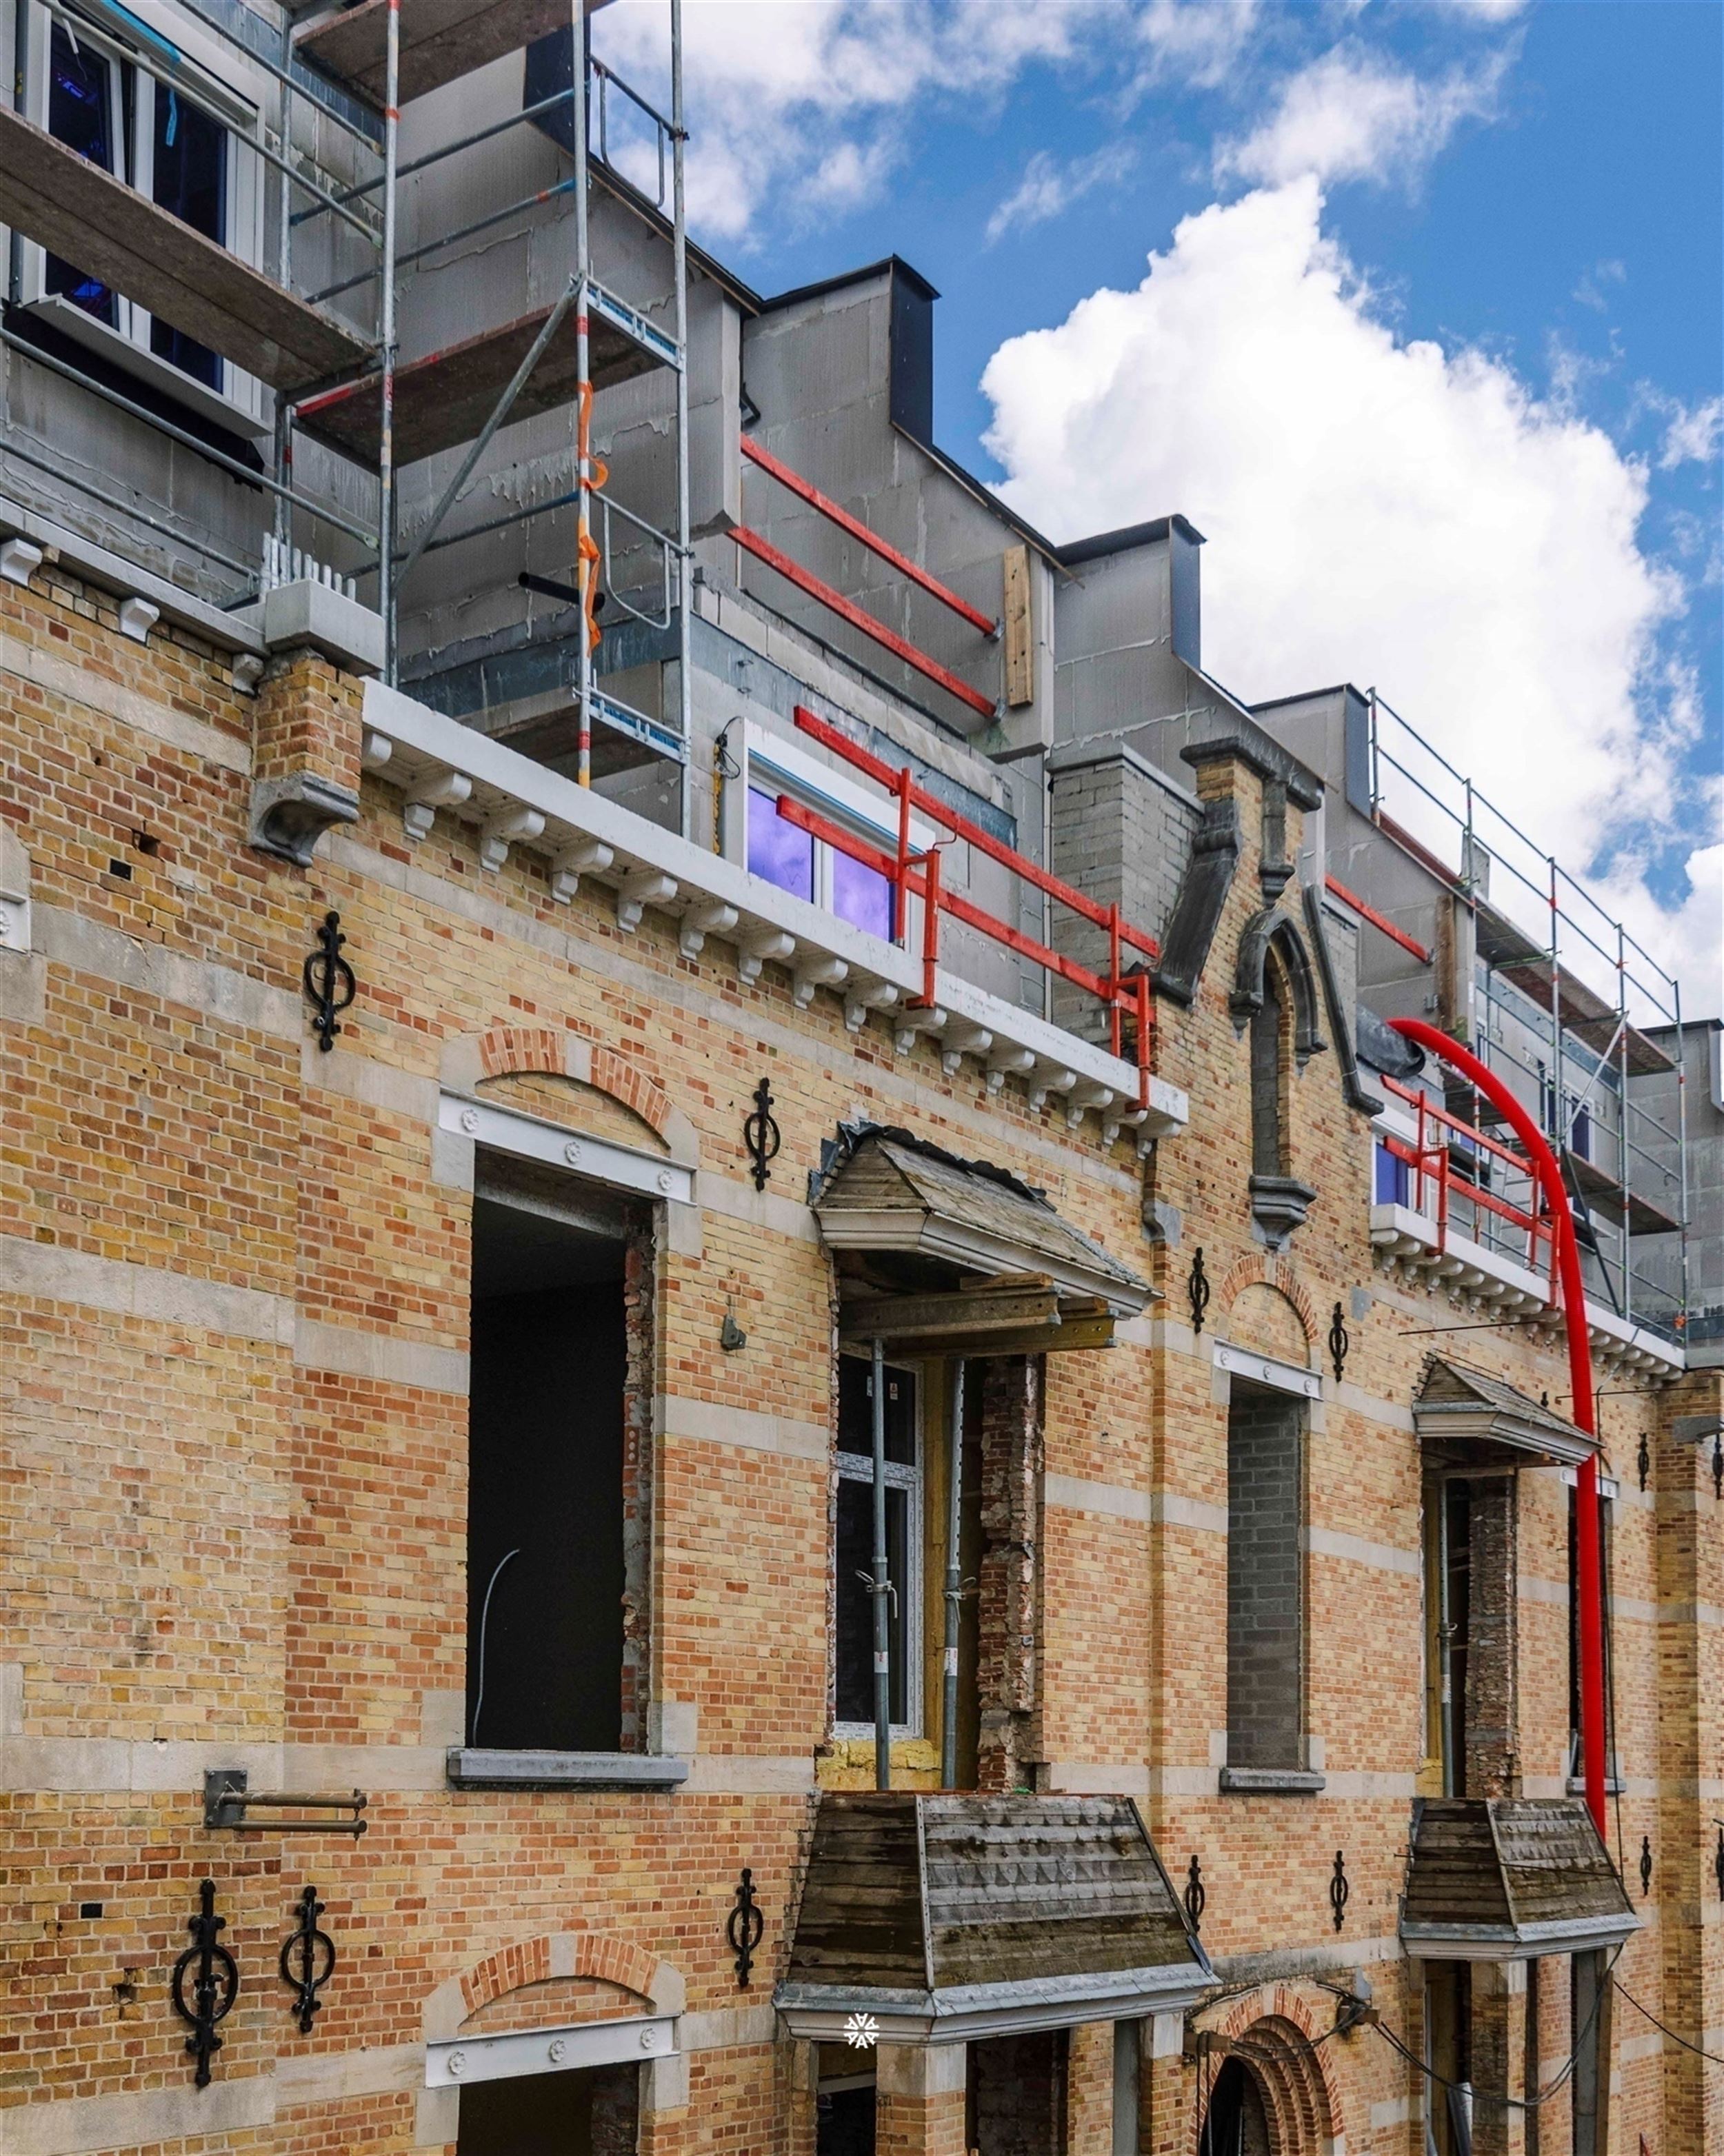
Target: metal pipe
{"type": "Point", "coordinates": [1682, 1152]}
{"type": "Point", "coordinates": [499, 413]}
{"type": "Point", "coordinates": [1580, 1368]}
{"type": "Point", "coordinates": [57, 469]}
{"type": "Point", "coordinates": [685, 571]}
{"type": "Point", "coordinates": [387, 585]}
{"type": "Point", "coordinates": [220, 457]}
{"type": "Point", "coordinates": [281, 524]}
{"type": "Point", "coordinates": [584, 395]}
{"type": "Point", "coordinates": [1624, 1148]}
{"type": "Point", "coordinates": [955, 1586]}
{"type": "Point", "coordinates": [880, 1585]}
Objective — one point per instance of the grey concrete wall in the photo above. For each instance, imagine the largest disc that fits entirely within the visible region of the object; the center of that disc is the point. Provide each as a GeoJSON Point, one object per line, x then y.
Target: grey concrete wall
{"type": "Point", "coordinates": [1114, 664]}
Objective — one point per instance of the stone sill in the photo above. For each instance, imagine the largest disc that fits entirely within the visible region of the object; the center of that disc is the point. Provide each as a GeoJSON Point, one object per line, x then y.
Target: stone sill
{"type": "Point", "coordinates": [473, 1769]}
{"type": "Point", "coordinates": [1270, 1782]}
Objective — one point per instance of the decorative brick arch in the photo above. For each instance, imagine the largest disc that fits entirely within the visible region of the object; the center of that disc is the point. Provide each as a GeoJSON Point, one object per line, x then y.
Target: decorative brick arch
{"type": "Point", "coordinates": [1263, 1269]}
{"type": "Point", "coordinates": [506, 1051]}
{"type": "Point", "coordinates": [1275, 2035]}
{"type": "Point", "coordinates": [601, 1956]}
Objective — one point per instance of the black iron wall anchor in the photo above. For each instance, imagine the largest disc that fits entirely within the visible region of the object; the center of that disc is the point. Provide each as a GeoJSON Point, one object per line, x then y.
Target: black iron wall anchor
{"type": "Point", "coordinates": [1645, 1865]}
{"type": "Point", "coordinates": [1718, 1467]}
{"type": "Point", "coordinates": [1197, 1290]}
{"type": "Point", "coordinates": [1643, 1459]}
{"type": "Point", "coordinates": [1341, 1891]}
{"type": "Point", "coordinates": [1718, 1864]}
{"type": "Point", "coordinates": [307, 1961]}
{"type": "Point", "coordinates": [329, 981]}
{"type": "Point", "coordinates": [761, 1135]}
{"type": "Point", "coordinates": [227, 1803]}
{"type": "Point", "coordinates": [745, 1927]}
{"type": "Point", "coordinates": [1197, 1894]}
{"type": "Point", "coordinates": [214, 1976]}
{"type": "Point", "coordinates": [1339, 1343]}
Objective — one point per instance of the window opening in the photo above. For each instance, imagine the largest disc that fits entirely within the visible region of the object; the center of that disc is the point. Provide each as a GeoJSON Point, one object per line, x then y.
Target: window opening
{"type": "Point", "coordinates": [84, 112]}
{"type": "Point", "coordinates": [1267, 1147]}
{"type": "Point", "coordinates": [1607, 1522]}
{"type": "Point", "coordinates": [1454, 1628]}
{"type": "Point", "coordinates": [189, 178]}
{"type": "Point", "coordinates": [551, 1500]}
{"type": "Point", "coordinates": [1236, 2123]}
{"type": "Point", "coordinates": [1265, 1578]}
{"type": "Point", "coordinates": [1448, 2054]}
{"type": "Point", "coordinates": [854, 1547]}
{"type": "Point", "coordinates": [590, 2111]}
{"type": "Point", "coordinates": [844, 2103]}
{"type": "Point", "coordinates": [1015, 2099]}
{"type": "Point", "coordinates": [806, 867]}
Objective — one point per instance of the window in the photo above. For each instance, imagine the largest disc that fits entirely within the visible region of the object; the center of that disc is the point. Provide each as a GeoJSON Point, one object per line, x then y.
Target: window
{"type": "Point", "coordinates": [1394, 1177]}
{"type": "Point", "coordinates": [809, 868]}
{"type": "Point", "coordinates": [1268, 1149]}
{"type": "Point", "coordinates": [182, 145]}
{"type": "Point", "coordinates": [854, 1547]}
{"type": "Point", "coordinates": [553, 1575]}
{"type": "Point", "coordinates": [1266, 1594]}
{"type": "Point", "coordinates": [1577, 1763]}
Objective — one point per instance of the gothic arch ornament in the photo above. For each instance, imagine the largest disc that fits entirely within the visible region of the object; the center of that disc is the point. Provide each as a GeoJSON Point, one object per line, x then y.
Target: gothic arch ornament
{"type": "Point", "coordinates": [1273, 931]}
{"type": "Point", "coordinates": [1276, 2035]}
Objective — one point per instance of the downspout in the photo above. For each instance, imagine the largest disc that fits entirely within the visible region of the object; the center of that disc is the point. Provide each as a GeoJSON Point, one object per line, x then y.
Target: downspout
{"type": "Point", "coordinates": [1580, 1368]}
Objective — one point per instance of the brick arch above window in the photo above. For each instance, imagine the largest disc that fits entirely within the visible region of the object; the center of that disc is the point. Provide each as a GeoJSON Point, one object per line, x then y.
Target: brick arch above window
{"type": "Point", "coordinates": [556, 1052]}
{"type": "Point", "coordinates": [524, 1964]}
{"type": "Point", "coordinates": [1278, 2031]}
{"type": "Point", "coordinates": [1262, 1269]}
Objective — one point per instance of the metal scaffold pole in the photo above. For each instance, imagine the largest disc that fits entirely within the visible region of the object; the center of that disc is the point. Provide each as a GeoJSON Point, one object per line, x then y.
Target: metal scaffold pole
{"type": "Point", "coordinates": [585, 550]}
{"type": "Point", "coordinates": [685, 697]}
{"type": "Point", "coordinates": [953, 1587]}
{"type": "Point", "coordinates": [880, 1586]}
{"type": "Point", "coordinates": [386, 589]}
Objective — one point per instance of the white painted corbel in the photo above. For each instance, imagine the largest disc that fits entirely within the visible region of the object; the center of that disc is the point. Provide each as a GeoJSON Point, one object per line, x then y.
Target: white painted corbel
{"type": "Point", "coordinates": [1050, 1079]}
{"type": "Point", "coordinates": [758, 947]}
{"type": "Point", "coordinates": [138, 618]}
{"type": "Point", "coordinates": [438, 790]}
{"type": "Point", "coordinates": [1086, 1095]}
{"type": "Point", "coordinates": [19, 560]}
{"type": "Point", "coordinates": [961, 1041]}
{"type": "Point", "coordinates": [816, 973]}
{"type": "Point", "coordinates": [588, 857]}
{"type": "Point", "coordinates": [868, 996]}
{"type": "Point", "coordinates": [714, 918]}
{"type": "Point", "coordinates": [638, 890]}
{"type": "Point", "coordinates": [501, 830]}
{"type": "Point", "coordinates": [1005, 1062]}
{"type": "Point", "coordinates": [930, 1018]}
{"type": "Point", "coordinates": [375, 751]}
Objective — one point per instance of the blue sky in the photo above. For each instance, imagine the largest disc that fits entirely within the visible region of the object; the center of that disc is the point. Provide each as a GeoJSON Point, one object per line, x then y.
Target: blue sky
{"type": "Point", "coordinates": [1494, 229]}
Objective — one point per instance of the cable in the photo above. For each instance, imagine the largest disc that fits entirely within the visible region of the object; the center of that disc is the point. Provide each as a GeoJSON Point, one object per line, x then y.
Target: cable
{"type": "Point", "coordinates": [1713, 2057]}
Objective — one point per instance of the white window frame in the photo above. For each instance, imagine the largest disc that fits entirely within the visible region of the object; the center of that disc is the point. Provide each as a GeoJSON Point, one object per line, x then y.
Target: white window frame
{"type": "Point", "coordinates": [772, 765]}
{"type": "Point", "coordinates": [859, 1467]}
{"type": "Point", "coordinates": [239, 401]}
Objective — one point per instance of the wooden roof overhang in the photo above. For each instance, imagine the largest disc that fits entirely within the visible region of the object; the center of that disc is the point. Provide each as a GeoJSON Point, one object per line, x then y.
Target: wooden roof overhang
{"type": "Point", "coordinates": [1477, 1420]}
{"type": "Point", "coordinates": [1509, 1879]}
{"type": "Point", "coordinates": [940, 1255]}
{"type": "Point", "coordinates": [950, 1917]}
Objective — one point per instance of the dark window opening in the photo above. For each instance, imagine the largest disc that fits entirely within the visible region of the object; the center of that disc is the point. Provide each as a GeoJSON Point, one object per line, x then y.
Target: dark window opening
{"type": "Point", "coordinates": [1237, 2122]}
{"type": "Point", "coordinates": [1448, 2054]}
{"type": "Point", "coordinates": [1016, 2103]}
{"type": "Point", "coordinates": [82, 114]}
{"type": "Point", "coordinates": [1454, 1628]}
{"type": "Point", "coordinates": [1267, 1150]}
{"type": "Point", "coordinates": [550, 1508]}
{"type": "Point", "coordinates": [843, 2105]}
{"type": "Point", "coordinates": [592, 2111]}
{"type": "Point", "coordinates": [854, 1542]}
{"type": "Point", "coordinates": [1588, 2001]}
{"type": "Point", "coordinates": [1576, 1765]}
{"type": "Point", "coordinates": [191, 180]}
{"type": "Point", "coordinates": [1265, 1578]}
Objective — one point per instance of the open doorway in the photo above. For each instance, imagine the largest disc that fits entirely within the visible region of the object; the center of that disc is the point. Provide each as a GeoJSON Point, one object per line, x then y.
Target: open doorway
{"type": "Point", "coordinates": [555, 1511]}
{"type": "Point", "coordinates": [1016, 2096]}
{"type": "Point", "coordinates": [1236, 2123]}
{"type": "Point", "coordinates": [592, 2111]}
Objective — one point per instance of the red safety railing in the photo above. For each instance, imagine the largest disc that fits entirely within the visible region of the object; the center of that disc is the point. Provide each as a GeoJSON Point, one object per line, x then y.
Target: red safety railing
{"type": "Point", "coordinates": [1123, 995]}
{"type": "Point", "coordinates": [1428, 1159]}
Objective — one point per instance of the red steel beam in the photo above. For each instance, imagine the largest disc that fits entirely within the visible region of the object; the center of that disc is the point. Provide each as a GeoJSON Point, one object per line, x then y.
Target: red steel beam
{"type": "Point", "coordinates": [1587, 1591]}
{"type": "Point", "coordinates": [1378, 920]}
{"type": "Point", "coordinates": [763, 550]}
{"type": "Point", "coordinates": [892, 778]}
{"type": "Point", "coordinates": [860, 532]}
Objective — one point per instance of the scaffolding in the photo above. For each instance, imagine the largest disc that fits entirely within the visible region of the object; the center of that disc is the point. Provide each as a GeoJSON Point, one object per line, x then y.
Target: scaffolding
{"type": "Point", "coordinates": [1561, 1001]}
{"type": "Point", "coordinates": [343, 386]}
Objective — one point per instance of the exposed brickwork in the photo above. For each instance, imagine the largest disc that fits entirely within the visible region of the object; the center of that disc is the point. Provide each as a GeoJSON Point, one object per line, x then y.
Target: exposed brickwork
{"type": "Point", "coordinates": [1010, 1590]}
{"type": "Point", "coordinates": [307, 719]}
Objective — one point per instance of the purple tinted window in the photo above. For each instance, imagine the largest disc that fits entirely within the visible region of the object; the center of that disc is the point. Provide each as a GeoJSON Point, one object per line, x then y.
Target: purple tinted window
{"type": "Point", "coordinates": [778, 851]}
{"type": "Point", "coordinates": [860, 897]}
{"type": "Point", "coordinates": [1393, 1181]}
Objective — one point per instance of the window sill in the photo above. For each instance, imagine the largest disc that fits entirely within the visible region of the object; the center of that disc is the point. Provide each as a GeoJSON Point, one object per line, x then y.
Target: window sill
{"type": "Point", "coordinates": [1270, 1782]}
{"type": "Point", "coordinates": [71, 321]}
{"type": "Point", "coordinates": [1577, 1786]}
{"type": "Point", "coordinates": [472, 1769]}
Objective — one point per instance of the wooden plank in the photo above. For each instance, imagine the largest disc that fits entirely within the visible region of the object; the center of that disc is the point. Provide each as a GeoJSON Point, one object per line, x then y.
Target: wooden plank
{"type": "Point", "coordinates": [441, 40]}
{"type": "Point", "coordinates": [912, 1317]}
{"type": "Point", "coordinates": [447, 397]}
{"type": "Point", "coordinates": [1077, 1335]}
{"type": "Point", "coordinates": [1020, 642]}
{"type": "Point", "coordinates": [50, 194]}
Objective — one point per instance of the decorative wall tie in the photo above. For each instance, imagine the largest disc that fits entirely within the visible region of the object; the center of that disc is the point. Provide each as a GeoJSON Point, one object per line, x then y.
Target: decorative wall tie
{"type": "Point", "coordinates": [1339, 1343]}
{"type": "Point", "coordinates": [761, 1135]}
{"type": "Point", "coordinates": [744, 1927]}
{"type": "Point", "coordinates": [1643, 1459]}
{"type": "Point", "coordinates": [1718, 1864]}
{"type": "Point", "coordinates": [1197, 1290]}
{"type": "Point", "coordinates": [1339, 1891]}
{"type": "Point", "coordinates": [1645, 1865]}
{"type": "Point", "coordinates": [1197, 1894]}
{"type": "Point", "coordinates": [214, 1976]}
{"type": "Point", "coordinates": [329, 981]}
{"type": "Point", "coordinates": [307, 1960]}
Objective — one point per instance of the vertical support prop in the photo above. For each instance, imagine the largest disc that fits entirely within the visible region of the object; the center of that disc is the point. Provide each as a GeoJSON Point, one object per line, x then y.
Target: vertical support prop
{"type": "Point", "coordinates": [880, 1586]}
{"type": "Point", "coordinates": [954, 1585]}
{"type": "Point", "coordinates": [679, 240]}
{"type": "Point", "coordinates": [585, 570]}
{"type": "Point", "coordinates": [386, 593]}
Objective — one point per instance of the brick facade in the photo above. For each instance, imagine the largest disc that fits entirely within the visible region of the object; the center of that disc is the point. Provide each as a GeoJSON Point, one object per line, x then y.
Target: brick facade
{"type": "Point", "coordinates": [233, 1387]}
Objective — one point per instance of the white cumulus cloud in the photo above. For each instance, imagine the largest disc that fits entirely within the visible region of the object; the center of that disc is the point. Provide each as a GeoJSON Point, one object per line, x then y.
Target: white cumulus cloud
{"type": "Point", "coordinates": [1355, 115]}
{"type": "Point", "coordinates": [1694, 435]}
{"type": "Point", "coordinates": [1382, 511]}
{"type": "Point", "coordinates": [1049, 187]}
